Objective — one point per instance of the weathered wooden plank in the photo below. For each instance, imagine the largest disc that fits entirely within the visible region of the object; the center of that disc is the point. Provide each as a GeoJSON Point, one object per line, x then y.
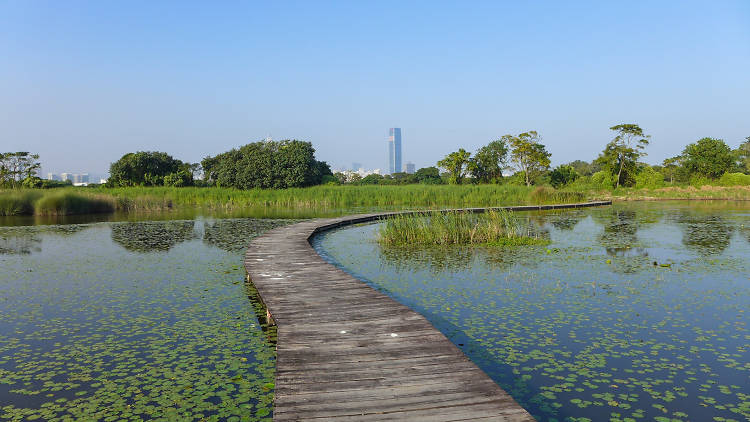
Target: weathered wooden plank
{"type": "Point", "coordinates": [348, 352]}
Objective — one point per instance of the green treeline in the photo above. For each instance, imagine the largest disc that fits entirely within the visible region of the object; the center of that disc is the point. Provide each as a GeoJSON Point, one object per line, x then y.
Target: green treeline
{"type": "Point", "coordinates": [708, 160]}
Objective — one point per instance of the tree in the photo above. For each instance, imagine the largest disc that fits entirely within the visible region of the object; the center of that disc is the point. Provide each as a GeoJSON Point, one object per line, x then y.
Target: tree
{"type": "Point", "coordinates": [620, 156]}
{"type": "Point", "coordinates": [670, 166]}
{"type": "Point", "coordinates": [743, 156]}
{"type": "Point", "coordinates": [146, 168]}
{"type": "Point", "coordinates": [371, 179]}
{"type": "Point", "coordinates": [708, 157]}
{"type": "Point", "coordinates": [455, 163]}
{"type": "Point", "coordinates": [428, 176]}
{"type": "Point", "coordinates": [17, 166]}
{"type": "Point", "coordinates": [267, 165]}
{"type": "Point", "coordinates": [487, 164]}
{"type": "Point", "coordinates": [562, 175]}
{"type": "Point", "coordinates": [528, 155]}
{"type": "Point", "coordinates": [584, 168]}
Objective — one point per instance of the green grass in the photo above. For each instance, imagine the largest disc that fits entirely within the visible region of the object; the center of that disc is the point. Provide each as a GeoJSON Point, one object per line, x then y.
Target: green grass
{"type": "Point", "coordinates": [495, 227]}
{"type": "Point", "coordinates": [312, 201]}
{"type": "Point", "coordinates": [329, 200]}
{"type": "Point", "coordinates": [67, 202]}
{"type": "Point", "coordinates": [337, 197]}
{"type": "Point", "coordinates": [20, 202]}
{"type": "Point", "coordinates": [54, 202]}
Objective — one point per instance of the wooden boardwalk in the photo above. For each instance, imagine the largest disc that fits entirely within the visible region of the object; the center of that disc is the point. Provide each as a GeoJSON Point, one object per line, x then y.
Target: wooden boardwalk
{"type": "Point", "coordinates": [348, 352]}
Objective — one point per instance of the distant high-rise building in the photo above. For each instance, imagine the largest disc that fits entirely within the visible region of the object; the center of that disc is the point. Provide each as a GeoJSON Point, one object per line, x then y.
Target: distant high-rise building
{"type": "Point", "coordinates": [356, 166]}
{"type": "Point", "coordinates": [66, 176]}
{"type": "Point", "coordinates": [410, 168]}
{"type": "Point", "coordinates": [394, 150]}
{"type": "Point", "coordinates": [52, 176]}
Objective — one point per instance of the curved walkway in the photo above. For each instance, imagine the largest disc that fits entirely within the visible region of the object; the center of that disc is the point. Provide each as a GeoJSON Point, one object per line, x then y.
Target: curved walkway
{"type": "Point", "coordinates": [348, 352]}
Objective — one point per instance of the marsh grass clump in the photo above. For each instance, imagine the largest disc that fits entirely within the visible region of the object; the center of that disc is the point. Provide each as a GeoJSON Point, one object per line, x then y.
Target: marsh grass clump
{"type": "Point", "coordinates": [494, 227]}
{"type": "Point", "coordinates": [68, 203]}
{"type": "Point", "coordinates": [17, 202]}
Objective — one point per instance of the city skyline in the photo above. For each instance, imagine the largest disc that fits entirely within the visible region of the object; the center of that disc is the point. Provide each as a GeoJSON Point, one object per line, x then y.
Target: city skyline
{"type": "Point", "coordinates": [108, 78]}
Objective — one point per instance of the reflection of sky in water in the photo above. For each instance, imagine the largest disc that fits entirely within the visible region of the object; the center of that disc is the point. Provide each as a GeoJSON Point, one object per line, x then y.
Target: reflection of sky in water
{"type": "Point", "coordinates": [588, 326]}
{"type": "Point", "coordinates": [138, 320]}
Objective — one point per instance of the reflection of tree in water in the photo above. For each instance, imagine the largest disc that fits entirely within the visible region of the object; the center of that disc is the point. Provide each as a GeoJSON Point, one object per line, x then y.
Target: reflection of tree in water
{"type": "Point", "coordinates": [234, 234]}
{"type": "Point", "coordinates": [745, 231]}
{"type": "Point", "coordinates": [435, 259]}
{"type": "Point", "coordinates": [27, 239]}
{"type": "Point", "coordinates": [20, 242]}
{"type": "Point", "coordinates": [706, 235]}
{"type": "Point", "coordinates": [504, 257]}
{"type": "Point", "coordinates": [565, 221]}
{"type": "Point", "coordinates": [152, 235]}
{"type": "Point", "coordinates": [620, 237]}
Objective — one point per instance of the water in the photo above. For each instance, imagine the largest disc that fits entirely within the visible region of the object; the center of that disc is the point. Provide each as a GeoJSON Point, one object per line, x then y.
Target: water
{"type": "Point", "coordinates": [132, 321]}
{"type": "Point", "coordinates": [637, 311]}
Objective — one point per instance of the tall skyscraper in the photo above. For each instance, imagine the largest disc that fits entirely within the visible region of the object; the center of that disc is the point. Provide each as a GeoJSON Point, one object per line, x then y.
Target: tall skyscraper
{"type": "Point", "coordinates": [394, 150]}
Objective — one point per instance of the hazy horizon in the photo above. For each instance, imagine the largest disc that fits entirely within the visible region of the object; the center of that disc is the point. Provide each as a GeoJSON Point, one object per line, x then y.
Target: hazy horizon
{"type": "Point", "coordinates": [83, 83]}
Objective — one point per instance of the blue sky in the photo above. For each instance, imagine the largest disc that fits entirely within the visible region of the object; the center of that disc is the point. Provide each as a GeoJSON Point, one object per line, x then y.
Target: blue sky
{"type": "Point", "coordinates": [82, 83]}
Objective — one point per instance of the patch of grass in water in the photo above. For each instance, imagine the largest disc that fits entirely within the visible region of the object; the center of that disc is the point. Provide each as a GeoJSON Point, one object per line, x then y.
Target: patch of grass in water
{"type": "Point", "coordinates": [492, 228]}
{"type": "Point", "coordinates": [67, 203]}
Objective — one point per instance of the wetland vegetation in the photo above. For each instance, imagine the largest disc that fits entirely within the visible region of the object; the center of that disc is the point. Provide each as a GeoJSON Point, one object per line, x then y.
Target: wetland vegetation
{"type": "Point", "coordinates": [132, 321]}
{"type": "Point", "coordinates": [494, 227]}
{"type": "Point", "coordinates": [633, 312]}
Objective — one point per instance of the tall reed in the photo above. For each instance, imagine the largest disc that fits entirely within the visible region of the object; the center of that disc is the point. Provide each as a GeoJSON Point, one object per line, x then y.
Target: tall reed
{"type": "Point", "coordinates": [454, 227]}
{"type": "Point", "coordinates": [67, 203]}
{"type": "Point", "coordinates": [14, 202]}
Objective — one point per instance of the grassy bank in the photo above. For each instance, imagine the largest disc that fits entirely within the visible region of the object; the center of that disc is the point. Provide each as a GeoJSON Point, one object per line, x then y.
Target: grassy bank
{"type": "Point", "coordinates": [456, 228]}
{"type": "Point", "coordinates": [318, 198]}
{"type": "Point", "coordinates": [705, 192]}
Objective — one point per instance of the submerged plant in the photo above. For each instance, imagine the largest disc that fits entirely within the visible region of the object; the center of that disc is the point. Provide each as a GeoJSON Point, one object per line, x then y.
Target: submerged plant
{"type": "Point", "coordinates": [499, 227]}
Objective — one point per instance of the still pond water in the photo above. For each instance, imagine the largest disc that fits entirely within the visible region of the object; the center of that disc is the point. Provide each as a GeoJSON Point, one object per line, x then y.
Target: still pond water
{"type": "Point", "coordinates": [132, 321]}
{"type": "Point", "coordinates": [632, 312]}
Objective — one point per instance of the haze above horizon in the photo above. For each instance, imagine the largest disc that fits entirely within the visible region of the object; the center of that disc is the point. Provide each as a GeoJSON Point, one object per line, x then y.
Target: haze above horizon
{"type": "Point", "coordinates": [82, 83]}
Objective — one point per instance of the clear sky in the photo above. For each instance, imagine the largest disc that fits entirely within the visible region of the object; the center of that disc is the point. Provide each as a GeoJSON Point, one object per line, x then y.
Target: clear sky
{"type": "Point", "coordinates": [82, 83]}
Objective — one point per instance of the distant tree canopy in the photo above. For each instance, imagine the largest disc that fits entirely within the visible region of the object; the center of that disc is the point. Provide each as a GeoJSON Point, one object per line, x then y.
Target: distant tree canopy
{"type": "Point", "coordinates": [562, 175]}
{"type": "Point", "coordinates": [708, 157]}
{"type": "Point", "coordinates": [149, 168]}
{"type": "Point", "coordinates": [428, 175]}
{"type": "Point", "coordinates": [528, 155]}
{"type": "Point", "coordinates": [15, 167]}
{"type": "Point", "coordinates": [486, 166]}
{"type": "Point", "coordinates": [620, 156]}
{"type": "Point", "coordinates": [743, 156]}
{"type": "Point", "coordinates": [456, 163]}
{"type": "Point", "coordinates": [274, 164]}
{"type": "Point", "coordinates": [584, 168]}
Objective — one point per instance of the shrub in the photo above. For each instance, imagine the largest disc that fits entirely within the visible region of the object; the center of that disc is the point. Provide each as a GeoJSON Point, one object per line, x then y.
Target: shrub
{"type": "Point", "coordinates": [735, 179]}
{"type": "Point", "coordinates": [649, 178]}
{"type": "Point", "coordinates": [603, 179]}
{"type": "Point", "coordinates": [562, 175]}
